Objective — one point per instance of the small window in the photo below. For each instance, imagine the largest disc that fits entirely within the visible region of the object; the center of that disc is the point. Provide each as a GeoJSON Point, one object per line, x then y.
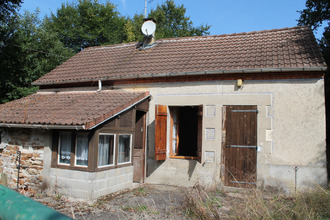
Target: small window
{"type": "Point", "coordinates": [124, 148]}
{"type": "Point", "coordinates": [65, 141]}
{"type": "Point", "coordinates": [82, 150]}
{"type": "Point", "coordinates": [106, 150]}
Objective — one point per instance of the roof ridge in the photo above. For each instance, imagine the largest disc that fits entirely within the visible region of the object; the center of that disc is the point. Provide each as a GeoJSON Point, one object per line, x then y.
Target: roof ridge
{"type": "Point", "coordinates": [240, 33]}
{"type": "Point", "coordinates": [113, 46]}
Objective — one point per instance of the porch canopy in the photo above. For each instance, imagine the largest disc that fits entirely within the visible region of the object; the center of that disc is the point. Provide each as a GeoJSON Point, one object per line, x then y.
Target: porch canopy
{"type": "Point", "coordinates": [68, 110]}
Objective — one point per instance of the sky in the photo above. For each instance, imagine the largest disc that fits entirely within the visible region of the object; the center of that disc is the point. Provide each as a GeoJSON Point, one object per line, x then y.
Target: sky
{"type": "Point", "coordinates": [224, 16]}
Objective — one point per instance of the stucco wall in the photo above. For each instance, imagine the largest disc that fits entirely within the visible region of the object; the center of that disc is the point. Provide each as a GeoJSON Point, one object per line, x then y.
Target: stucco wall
{"type": "Point", "coordinates": [291, 131]}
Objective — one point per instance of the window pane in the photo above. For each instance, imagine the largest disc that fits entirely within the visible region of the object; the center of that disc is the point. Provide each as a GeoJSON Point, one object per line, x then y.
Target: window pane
{"type": "Point", "coordinates": [124, 148]}
{"type": "Point", "coordinates": [65, 147]}
{"type": "Point", "coordinates": [106, 150]}
{"type": "Point", "coordinates": [82, 150]}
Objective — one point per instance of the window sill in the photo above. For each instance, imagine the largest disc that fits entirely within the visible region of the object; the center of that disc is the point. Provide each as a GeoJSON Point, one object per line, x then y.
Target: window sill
{"type": "Point", "coordinates": [113, 167]}
{"type": "Point", "coordinates": [99, 169]}
{"type": "Point", "coordinates": [184, 157]}
{"type": "Point", "coordinates": [68, 167]}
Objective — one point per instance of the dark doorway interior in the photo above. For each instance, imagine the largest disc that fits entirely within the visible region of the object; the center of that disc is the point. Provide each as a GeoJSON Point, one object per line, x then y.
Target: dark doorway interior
{"type": "Point", "coordinates": [188, 131]}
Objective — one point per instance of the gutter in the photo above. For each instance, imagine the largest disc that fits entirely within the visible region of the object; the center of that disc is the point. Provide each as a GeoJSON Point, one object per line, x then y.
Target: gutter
{"type": "Point", "coordinates": [71, 127]}
{"type": "Point", "coordinates": [269, 70]}
{"type": "Point", "coordinates": [118, 113]}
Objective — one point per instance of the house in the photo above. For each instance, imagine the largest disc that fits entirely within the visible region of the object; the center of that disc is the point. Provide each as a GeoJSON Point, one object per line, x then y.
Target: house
{"type": "Point", "coordinates": [240, 110]}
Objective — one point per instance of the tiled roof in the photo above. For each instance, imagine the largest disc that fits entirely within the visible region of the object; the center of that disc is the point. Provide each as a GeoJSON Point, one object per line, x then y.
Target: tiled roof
{"type": "Point", "coordinates": [288, 48]}
{"type": "Point", "coordinates": [84, 109]}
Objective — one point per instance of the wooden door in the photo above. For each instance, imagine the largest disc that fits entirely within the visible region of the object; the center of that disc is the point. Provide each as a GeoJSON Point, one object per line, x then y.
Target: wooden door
{"type": "Point", "coordinates": [240, 145]}
{"type": "Point", "coordinates": [139, 149]}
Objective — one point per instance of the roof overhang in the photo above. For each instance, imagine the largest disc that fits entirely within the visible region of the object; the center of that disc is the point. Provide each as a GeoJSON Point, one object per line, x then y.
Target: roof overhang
{"type": "Point", "coordinates": [38, 126]}
{"type": "Point", "coordinates": [238, 71]}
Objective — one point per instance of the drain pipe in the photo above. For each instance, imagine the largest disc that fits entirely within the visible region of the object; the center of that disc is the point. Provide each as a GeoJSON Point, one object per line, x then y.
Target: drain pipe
{"type": "Point", "coordinates": [295, 178]}
{"type": "Point", "coordinates": [18, 159]}
{"type": "Point", "coordinates": [100, 86]}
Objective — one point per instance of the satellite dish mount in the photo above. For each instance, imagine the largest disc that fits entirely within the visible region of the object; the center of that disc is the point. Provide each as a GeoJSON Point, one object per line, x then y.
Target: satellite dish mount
{"type": "Point", "coordinates": [148, 29]}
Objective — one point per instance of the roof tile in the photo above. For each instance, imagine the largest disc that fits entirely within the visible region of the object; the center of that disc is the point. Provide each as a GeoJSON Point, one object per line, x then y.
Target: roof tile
{"type": "Point", "coordinates": [278, 48]}
{"type": "Point", "coordinates": [68, 108]}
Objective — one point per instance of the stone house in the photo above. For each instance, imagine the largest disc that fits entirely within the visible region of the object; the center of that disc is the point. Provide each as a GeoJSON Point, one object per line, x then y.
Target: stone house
{"type": "Point", "coordinates": [241, 110]}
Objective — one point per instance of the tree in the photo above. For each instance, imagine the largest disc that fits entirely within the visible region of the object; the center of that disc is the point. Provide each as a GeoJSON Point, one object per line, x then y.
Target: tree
{"type": "Point", "coordinates": [171, 22]}
{"type": "Point", "coordinates": [87, 23]}
{"type": "Point", "coordinates": [316, 13]}
{"type": "Point", "coordinates": [30, 52]}
{"type": "Point", "coordinates": [8, 8]}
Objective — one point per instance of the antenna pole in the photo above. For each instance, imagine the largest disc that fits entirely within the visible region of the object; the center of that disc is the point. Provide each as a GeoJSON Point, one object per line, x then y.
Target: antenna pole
{"type": "Point", "coordinates": [145, 8]}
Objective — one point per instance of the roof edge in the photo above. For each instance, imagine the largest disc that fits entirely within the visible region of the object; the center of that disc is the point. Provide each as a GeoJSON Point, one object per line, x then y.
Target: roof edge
{"type": "Point", "coordinates": [46, 126]}
{"type": "Point", "coordinates": [263, 70]}
{"type": "Point", "coordinates": [118, 113]}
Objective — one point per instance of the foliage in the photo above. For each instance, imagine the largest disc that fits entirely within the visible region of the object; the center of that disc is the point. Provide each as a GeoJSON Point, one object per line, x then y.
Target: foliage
{"type": "Point", "coordinates": [29, 47]}
{"type": "Point", "coordinates": [171, 22]}
{"type": "Point", "coordinates": [87, 23]}
{"type": "Point", "coordinates": [309, 204]}
{"type": "Point", "coordinates": [201, 204]}
{"type": "Point", "coordinates": [29, 52]}
{"type": "Point", "coordinates": [316, 13]}
{"type": "Point", "coordinates": [8, 8]}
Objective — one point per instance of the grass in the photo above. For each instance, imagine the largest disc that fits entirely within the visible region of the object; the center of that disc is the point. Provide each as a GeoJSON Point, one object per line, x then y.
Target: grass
{"type": "Point", "coordinates": [256, 204]}
{"type": "Point", "coordinates": [141, 191]}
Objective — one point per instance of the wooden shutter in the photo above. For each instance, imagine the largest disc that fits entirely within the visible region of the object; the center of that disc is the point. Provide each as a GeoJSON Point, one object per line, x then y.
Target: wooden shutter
{"type": "Point", "coordinates": [160, 132]}
{"type": "Point", "coordinates": [199, 133]}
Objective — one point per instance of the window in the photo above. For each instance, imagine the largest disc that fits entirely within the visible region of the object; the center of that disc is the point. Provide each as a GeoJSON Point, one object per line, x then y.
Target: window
{"type": "Point", "coordinates": [184, 127]}
{"type": "Point", "coordinates": [65, 140]}
{"type": "Point", "coordinates": [106, 149]}
{"type": "Point", "coordinates": [73, 148]}
{"type": "Point", "coordinates": [82, 150]}
{"type": "Point", "coordinates": [124, 148]}
{"type": "Point", "coordinates": [185, 132]}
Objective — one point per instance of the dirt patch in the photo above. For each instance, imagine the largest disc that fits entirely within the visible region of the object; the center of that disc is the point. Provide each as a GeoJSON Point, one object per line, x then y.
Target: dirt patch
{"type": "Point", "coordinates": [144, 202]}
{"type": "Point", "coordinates": [172, 202]}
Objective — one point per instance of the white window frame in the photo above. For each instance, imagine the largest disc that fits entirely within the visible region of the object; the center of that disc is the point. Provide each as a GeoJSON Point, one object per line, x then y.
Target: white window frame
{"type": "Point", "coordinates": [75, 149]}
{"type": "Point", "coordinates": [114, 150]}
{"type": "Point", "coordinates": [59, 148]}
{"type": "Point", "coordinates": [130, 149]}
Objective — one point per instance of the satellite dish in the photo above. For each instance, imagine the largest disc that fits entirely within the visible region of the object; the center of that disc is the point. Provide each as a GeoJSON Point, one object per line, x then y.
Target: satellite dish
{"type": "Point", "coordinates": [148, 28]}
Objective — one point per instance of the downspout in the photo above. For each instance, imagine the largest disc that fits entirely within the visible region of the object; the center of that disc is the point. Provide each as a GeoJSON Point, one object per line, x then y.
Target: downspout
{"type": "Point", "coordinates": [100, 86]}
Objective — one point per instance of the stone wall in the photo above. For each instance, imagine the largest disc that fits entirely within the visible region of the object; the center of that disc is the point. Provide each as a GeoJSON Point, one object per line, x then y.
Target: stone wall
{"type": "Point", "coordinates": [31, 144]}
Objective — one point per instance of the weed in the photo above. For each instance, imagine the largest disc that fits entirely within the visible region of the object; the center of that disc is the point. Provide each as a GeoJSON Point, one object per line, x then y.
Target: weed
{"type": "Point", "coordinates": [200, 205]}
{"type": "Point", "coordinates": [58, 197]}
{"type": "Point", "coordinates": [311, 204]}
{"type": "Point", "coordinates": [141, 191]}
{"type": "Point", "coordinates": [137, 208]}
{"type": "Point", "coordinates": [256, 204]}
